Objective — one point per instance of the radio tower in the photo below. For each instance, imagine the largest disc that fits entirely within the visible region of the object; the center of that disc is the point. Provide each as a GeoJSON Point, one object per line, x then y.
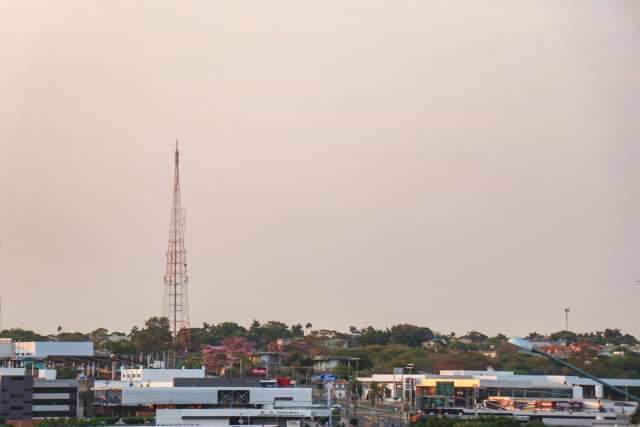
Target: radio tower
{"type": "Point", "coordinates": [176, 300]}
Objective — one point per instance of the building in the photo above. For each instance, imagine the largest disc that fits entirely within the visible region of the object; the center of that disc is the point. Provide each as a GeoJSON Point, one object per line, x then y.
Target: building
{"type": "Point", "coordinates": [266, 358]}
{"type": "Point", "coordinates": [281, 417]}
{"type": "Point", "coordinates": [335, 343]}
{"type": "Point", "coordinates": [209, 401]}
{"type": "Point", "coordinates": [390, 385]}
{"type": "Point", "coordinates": [466, 389]}
{"type": "Point", "coordinates": [16, 397]}
{"type": "Point", "coordinates": [22, 397]}
{"type": "Point", "coordinates": [43, 349]}
{"type": "Point", "coordinates": [55, 398]}
{"type": "Point", "coordinates": [330, 363]}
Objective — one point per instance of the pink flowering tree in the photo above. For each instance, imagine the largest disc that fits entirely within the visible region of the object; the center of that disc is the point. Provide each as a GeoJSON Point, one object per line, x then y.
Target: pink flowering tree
{"type": "Point", "coordinates": [231, 350]}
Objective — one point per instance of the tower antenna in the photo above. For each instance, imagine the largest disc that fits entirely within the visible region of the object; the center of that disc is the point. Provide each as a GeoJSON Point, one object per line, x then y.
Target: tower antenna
{"type": "Point", "coordinates": [175, 305]}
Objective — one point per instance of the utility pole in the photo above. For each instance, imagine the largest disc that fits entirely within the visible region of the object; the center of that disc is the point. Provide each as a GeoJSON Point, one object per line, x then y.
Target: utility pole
{"type": "Point", "coordinates": [329, 389]}
{"type": "Point", "coordinates": [566, 318]}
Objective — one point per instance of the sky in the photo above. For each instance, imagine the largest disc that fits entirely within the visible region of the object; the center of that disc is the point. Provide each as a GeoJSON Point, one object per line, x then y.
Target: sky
{"type": "Point", "coordinates": [457, 165]}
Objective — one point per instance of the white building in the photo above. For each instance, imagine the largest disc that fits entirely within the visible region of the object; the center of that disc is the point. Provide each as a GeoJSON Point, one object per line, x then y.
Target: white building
{"type": "Point", "coordinates": [12, 371]}
{"type": "Point", "coordinates": [225, 402]}
{"type": "Point", "coordinates": [506, 384]}
{"type": "Point", "coordinates": [235, 416]}
{"type": "Point", "coordinates": [43, 349]}
{"type": "Point", "coordinates": [159, 375]}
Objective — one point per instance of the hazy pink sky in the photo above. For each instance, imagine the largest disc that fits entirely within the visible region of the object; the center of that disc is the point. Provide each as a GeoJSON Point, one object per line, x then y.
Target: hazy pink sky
{"type": "Point", "coordinates": [458, 165]}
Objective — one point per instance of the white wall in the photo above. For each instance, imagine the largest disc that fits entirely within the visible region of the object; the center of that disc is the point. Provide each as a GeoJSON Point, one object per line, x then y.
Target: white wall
{"type": "Point", "coordinates": [6, 349]}
{"type": "Point", "coordinates": [53, 348]}
{"type": "Point", "coordinates": [222, 415]}
{"type": "Point", "coordinates": [12, 371]}
{"type": "Point", "coordinates": [159, 375]}
{"type": "Point", "coordinates": [47, 374]}
{"type": "Point", "coordinates": [133, 396]}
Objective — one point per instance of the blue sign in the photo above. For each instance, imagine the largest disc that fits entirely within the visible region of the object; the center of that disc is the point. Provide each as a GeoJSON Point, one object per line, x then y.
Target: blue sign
{"type": "Point", "coordinates": [328, 378]}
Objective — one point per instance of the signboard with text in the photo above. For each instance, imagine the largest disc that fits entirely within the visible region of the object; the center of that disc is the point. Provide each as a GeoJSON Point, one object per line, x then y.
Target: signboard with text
{"type": "Point", "coordinates": [259, 372]}
{"type": "Point", "coordinates": [328, 378]}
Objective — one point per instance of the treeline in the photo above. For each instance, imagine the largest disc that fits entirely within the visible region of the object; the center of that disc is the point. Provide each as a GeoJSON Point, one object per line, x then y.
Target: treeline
{"type": "Point", "coordinates": [155, 335]}
{"type": "Point", "coordinates": [378, 350]}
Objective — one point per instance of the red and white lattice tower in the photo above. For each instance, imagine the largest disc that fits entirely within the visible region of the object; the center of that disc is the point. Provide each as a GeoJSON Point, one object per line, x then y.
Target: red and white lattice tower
{"type": "Point", "coordinates": [175, 305]}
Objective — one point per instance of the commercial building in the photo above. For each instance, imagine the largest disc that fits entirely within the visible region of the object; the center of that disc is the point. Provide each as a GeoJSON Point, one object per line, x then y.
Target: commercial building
{"type": "Point", "coordinates": [24, 397]}
{"type": "Point", "coordinates": [502, 390]}
{"type": "Point", "coordinates": [484, 384]}
{"type": "Point", "coordinates": [281, 417]}
{"type": "Point", "coordinates": [16, 397]}
{"type": "Point", "coordinates": [207, 401]}
{"type": "Point", "coordinates": [55, 398]}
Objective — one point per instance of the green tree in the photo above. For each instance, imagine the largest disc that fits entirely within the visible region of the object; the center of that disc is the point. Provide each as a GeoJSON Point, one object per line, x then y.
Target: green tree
{"type": "Point", "coordinates": [410, 335]}
{"type": "Point", "coordinates": [154, 337]}
{"type": "Point", "coordinates": [375, 392]}
{"type": "Point", "coordinates": [371, 335]}
{"type": "Point", "coordinates": [297, 330]}
{"type": "Point", "coordinates": [268, 332]}
{"type": "Point", "coordinates": [18, 334]}
{"type": "Point", "coordinates": [99, 334]}
{"type": "Point", "coordinates": [568, 336]}
{"type": "Point", "coordinates": [72, 336]}
{"type": "Point", "coordinates": [476, 337]}
{"type": "Point", "coordinates": [120, 348]}
{"type": "Point", "coordinates": [66, 373]}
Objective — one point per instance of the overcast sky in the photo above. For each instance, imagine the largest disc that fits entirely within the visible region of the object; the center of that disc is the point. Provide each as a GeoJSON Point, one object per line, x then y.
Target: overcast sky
{"type": "Point", "coordinates": [457, 165]}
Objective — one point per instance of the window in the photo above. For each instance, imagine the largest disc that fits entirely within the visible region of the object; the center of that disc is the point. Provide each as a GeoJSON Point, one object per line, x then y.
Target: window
{"type": "Point", "coordinates": [233, 397]}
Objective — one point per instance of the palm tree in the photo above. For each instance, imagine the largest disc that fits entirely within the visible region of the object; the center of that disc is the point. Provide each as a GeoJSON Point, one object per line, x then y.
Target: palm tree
{"type": "Point", "coordinates": [375, 392]}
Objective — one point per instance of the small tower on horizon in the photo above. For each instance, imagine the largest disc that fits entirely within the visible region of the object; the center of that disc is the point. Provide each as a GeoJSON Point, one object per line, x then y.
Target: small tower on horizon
{"type": "Point", "coordinates": [175, 305]}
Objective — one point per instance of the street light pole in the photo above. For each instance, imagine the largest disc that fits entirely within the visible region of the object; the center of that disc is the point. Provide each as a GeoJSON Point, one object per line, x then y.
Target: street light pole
{"type": "Point", "coordinates": [355, 402]}
{"type": "Point", "coordinates": [526, 345]}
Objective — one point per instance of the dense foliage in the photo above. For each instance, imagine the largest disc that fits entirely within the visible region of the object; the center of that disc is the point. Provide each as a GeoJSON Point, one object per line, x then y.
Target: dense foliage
{"type": "Point", "coordinates": [226, 345]}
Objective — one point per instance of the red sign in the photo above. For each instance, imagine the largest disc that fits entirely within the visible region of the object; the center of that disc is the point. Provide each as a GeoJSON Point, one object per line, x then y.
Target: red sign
{"type": "Point", "coordinates": [259, 372]}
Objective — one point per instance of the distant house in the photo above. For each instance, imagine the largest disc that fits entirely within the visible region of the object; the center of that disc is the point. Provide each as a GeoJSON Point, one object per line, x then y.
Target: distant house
{"type": "Point", "coordinates": [117, 337]}
{"type": "Point", "coordinates": [324, 333]}
{"type": "Point", "coordinates": [330, 363]}
{"type": "Point", "coordinates": [489, 354]}
{"type": "Point", "coordinates": [580, 346]}
{"type": "Point", "coordinates": [336, 343]}
{"type": "Point", "coordinates": [635, 349]}
{"type": "Point", "coordinates": [540, 344]}
{"type": "Point", "coordinates": [560, 351]}
{"type": "Point", "coordinates": [266, 358]}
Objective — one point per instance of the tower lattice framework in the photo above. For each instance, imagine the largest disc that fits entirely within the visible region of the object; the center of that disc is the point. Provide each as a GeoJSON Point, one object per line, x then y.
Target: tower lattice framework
{"type": "Point", "coordinates": [175, 305]}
